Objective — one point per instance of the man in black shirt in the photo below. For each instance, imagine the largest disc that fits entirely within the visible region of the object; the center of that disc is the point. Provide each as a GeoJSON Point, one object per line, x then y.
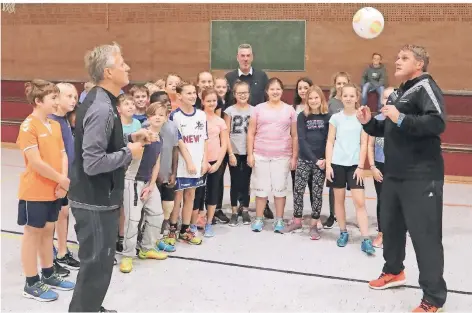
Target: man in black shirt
{"type": "Point", "coordinates": [412, 192]}
{"type": "Point", "coordinates": [257, 80]}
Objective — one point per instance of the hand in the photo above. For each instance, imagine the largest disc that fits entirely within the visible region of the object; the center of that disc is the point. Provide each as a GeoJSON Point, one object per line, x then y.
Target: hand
{"type": "Point", "coordinates": [329, 173]}
{"type": "Point", "coordinates": [359, 176]}
{"type": "Point", "coordinates": [250, 160]}
{"type": "Point", "coordinates": [232, 160]}
{"type": "Point", "coordinates": [391, 112]}
{"type": "Point", "coordinates": [205, 167]}
{"type": "Point", "coordinates": [191, 169]}
{"type": "Point", "coordinates": [377, 174]}
{"type": "Point", "coordinates": [64, 182]}
{"type": "Point", "coordinates": [146, 192]}
{"type": "Point", "coordinates": [213, 168]}
{"type": "Point", "coordinates": [321, 164]}
{"type": "Point", "coordinates": [293, 164]}
{"type": "Point", "coordinates": [144, 136]}
{"type": "Point", "coordinates": [363, 114]}
{"type": "Point", "coordinates": [172, 179]}
{"type": "Point", "coordinates": [60, 192]}
{"type": "Point", "coordinates": [137, 149]}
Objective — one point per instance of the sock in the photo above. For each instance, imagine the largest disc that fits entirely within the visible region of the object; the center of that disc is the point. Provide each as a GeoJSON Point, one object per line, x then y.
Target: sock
{"type": "Point", "coordinates": [364, 238]}
{"type": "Point", "coordinates": [343, 231]}
{"type": "Point", "coordinates": [184, 228]}
{"type": "Point", "coordinates": [172, 226]}
{"type": "Point", "coordinates": [121, 239]}
{"type": "Point", "coordinates": [32, 280]}
{"type": "Point", "coordinates": [47, 272]}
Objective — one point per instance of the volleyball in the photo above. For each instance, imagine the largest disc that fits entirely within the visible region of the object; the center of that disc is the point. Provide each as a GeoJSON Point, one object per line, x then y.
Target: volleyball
{"type": "Point", "coordinates": [368, 23]}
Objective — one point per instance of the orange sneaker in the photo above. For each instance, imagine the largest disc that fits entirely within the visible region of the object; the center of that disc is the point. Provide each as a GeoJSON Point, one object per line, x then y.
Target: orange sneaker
{"type": "Point", "coordinates": [378, 241]}
{"type": "Point", "coordinates": [388, 281]}
{"type": "Point", "coordinates": [426, 307]}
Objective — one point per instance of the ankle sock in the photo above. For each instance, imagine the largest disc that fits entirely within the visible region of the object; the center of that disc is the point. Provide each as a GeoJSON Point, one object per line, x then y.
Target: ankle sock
{"type": "Point", "coordinates": [47, 272]}
{"type": "Point", "coordinates": [32, 280]}
{"type": "Point", "coordinates": [184, 228]}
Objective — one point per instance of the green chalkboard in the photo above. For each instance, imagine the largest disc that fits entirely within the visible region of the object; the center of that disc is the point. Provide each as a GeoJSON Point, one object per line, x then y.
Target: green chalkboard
{"type": "Point", "coordinates": [277, 45]}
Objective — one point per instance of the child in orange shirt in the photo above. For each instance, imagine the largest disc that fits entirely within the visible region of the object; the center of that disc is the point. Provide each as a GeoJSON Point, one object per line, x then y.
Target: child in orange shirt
{"type": "Point", "coordinates": [42, 186]}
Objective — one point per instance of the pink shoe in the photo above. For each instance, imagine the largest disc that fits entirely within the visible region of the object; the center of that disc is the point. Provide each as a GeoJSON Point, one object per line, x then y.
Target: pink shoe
{"type": "Point", "coordinates": [295, 226]}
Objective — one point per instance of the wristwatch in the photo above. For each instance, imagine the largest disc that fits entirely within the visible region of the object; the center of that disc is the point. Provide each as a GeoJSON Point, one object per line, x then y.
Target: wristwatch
{"type": "Point", "coordinates": [400, 119]}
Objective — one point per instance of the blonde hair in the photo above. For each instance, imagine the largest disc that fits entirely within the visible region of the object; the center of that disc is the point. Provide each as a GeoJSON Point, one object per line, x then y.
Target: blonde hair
{"type": "Point", "coordinates": [100, 58]}
{"type": "Point", "coordinates": [419, 53]}
{"type": "Point", "coordinates": [324, 104]}
{"type": "Point", "coordinates": [154, 107]}
{"type": "Point", "coordinates": [38, 89]}
{"type": "Point", "coordinates": [63, 86]}
{"type": "Point", "coordinates": [332, 92]}
{"type": "Point", "coordinates": [358, 92]}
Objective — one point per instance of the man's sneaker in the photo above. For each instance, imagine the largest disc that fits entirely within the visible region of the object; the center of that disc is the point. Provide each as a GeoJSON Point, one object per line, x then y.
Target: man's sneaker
{"type": "Point", "coordinates": [295, 226]}
{"type": "Point", "coordinates": [378, 241]}
{"type": "Point", "coordinates": [40, 292]}
{"type": "Point", "coordinates": [103, 310]}
{"type": "Point", "coordinates": [171, 237]}
{"type": "Point", "coordinates": [209, 232]}
{"type": "Point", "coordinates": [193, 228]}
{"type": "Point", "coordinates": [343, 239]}
{"type": "Point", "coordinates": [246, 218]}
{"type": "Point", "coordinates": [190, 238]}
{"type": "Point", "coordinates": [163, 246]}
{"type": "Point", "coordinates": [152, 254]}
{"type": "Point", "coordinates": [425, 306]}
{"type": "Point", "coordinates": [279, 226]}
{"type": "Point", "coordinates": [388, 281]}
{"type": "Point", "coordinates": [329, 222]}
{"type": "Point", "coordinates": [257, 225]}
{"type": "Point", "coordinates": [69, 262]}
{"type": "Point", "coordinates": [268, 214]}
{"type": "Point", "coordinates": [221, 217]}
{"type": "Point", "coordinates": [367, 247]}
{"type": "Point", "coordinates": [57, 282]}
{"type": "Point", "coordinates": [234, 220]}
{"type": "Point", "coordinates": [314, 233]}
{"type": "Point", "coordinates": [165, 227]}
{"type": "Point", "coordinates": [63, 272]}
{"type": "Point", "coordinates": [126, 265]}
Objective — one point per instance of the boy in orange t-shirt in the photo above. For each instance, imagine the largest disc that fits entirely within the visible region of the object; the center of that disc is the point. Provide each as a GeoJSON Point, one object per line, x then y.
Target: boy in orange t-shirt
{"type": "Point", "coordinates": [42, 185]}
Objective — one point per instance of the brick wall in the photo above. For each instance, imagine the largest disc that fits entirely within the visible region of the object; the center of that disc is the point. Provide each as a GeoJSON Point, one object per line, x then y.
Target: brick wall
{"type": "Point", "coordinates": [49, 40]}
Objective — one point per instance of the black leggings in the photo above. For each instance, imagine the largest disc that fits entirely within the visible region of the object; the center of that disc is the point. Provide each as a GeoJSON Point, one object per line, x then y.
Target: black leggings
{"type": "Point", "coordinates": [378, 190]}
{"type": "Point", "coordinates": [219, 205]}
{"type": "Point", "coordinates": [209, 193]}
{"type": "Point", "coordinates": [310, 185]}
{"type": "Point", "coordinates": [240, 181]}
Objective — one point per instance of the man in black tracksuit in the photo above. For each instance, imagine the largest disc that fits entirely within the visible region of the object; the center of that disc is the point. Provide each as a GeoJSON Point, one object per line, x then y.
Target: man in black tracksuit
{"type": "Point", "coordinates": [412, 195]}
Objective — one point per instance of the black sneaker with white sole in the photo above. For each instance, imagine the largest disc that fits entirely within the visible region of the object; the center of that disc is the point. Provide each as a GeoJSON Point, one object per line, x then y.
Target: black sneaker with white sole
{"type": "Point", "coordinates": [246, 218]}
{"type": "Point", "coordinates": [69, 262]}
{"type": "Point", "coordinates": [63, 272]}
{"type": "Point", "coordinates": [329, 222]}
{"type": "Point", "coordinates": [234, 220]}
{"type": "Point", "coordinates": [221, 217]}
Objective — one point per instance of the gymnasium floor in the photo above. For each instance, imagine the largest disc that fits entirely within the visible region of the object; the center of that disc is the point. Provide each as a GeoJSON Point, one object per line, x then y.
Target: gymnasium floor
{"type": "Point", "coordinates": [242, 271]}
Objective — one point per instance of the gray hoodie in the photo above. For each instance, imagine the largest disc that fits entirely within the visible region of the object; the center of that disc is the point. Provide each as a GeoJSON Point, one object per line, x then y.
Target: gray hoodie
{"type": "Point", "coordinates": [376, 76]}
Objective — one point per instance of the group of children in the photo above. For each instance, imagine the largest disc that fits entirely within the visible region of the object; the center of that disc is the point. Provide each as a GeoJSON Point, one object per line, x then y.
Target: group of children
{"type": "Point", "coordinates": [200, 134]}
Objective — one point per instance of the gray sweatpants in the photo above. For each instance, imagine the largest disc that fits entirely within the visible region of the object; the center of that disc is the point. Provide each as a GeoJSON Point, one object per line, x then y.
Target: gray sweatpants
{"type": "Point", "coordinates": [153, 217]}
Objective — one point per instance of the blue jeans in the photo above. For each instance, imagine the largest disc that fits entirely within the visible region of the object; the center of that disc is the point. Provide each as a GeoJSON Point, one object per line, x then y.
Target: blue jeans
{"type": "Point", "coordinates": [368, 88]}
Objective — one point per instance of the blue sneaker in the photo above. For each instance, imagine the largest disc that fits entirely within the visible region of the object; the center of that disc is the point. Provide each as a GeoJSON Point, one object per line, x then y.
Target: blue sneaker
{"type": "Point", "coordinates": [209, 231]}
{"type": "Point", "coordinates": [193, 228]}
{"type": "Point", "coordinates": [39, 292]}
{"type": "Point", "coordinates": [368, 247]}
{"type": "Point", "coordinates": [343, 239]}
{"type": "Point", "coordinates": [279, 226]}
{"type": "Point", "coordinates": [162, 246]}
{"type": "Point", "coordinates": [57, 282]}
{"type": "Point", "coordinates": [257, 225]}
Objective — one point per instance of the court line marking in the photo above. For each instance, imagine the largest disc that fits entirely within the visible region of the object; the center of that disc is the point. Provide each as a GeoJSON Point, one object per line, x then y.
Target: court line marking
{"type": "Point", "coordinates": [17, 235]}
{"type": "Point", "coordinates": [324, 194]}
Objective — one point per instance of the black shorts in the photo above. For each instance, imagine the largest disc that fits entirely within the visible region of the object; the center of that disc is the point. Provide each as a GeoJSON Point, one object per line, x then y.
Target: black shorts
{"type": "Point", "coordinates": [167, 193]}
{"type": "Point", "coordinates": [37, 213]}
{"type": "Point", "coordinates": [343, 177]}
{"type": "Point", "coordinates": [64, 201]}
